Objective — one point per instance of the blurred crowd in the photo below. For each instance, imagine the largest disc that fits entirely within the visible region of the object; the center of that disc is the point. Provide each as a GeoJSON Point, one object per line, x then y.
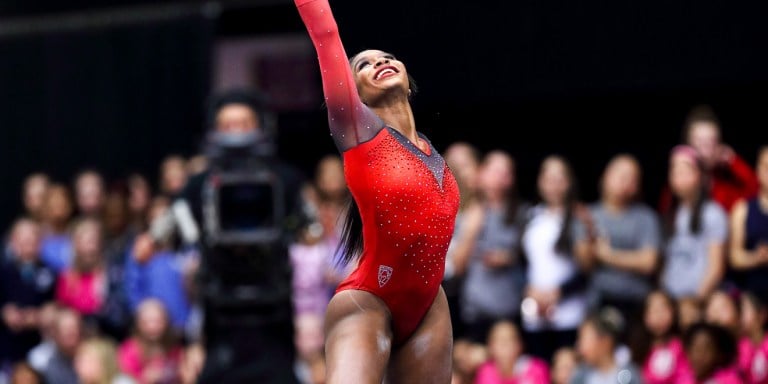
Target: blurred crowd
{"type": "Point", "coordinates": [551, 289]}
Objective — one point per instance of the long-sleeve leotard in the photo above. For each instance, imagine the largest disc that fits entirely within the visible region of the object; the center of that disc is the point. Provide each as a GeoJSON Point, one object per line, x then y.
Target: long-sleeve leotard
{"type": "Point", "coordinates": [407, 198]}
{"type": "Point", "coordinates": [351, 122]}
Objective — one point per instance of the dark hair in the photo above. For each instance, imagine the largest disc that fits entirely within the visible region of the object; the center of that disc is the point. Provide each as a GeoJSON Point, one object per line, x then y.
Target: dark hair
{"type": "Point", "coordinates": [608, 321]}
{"type": "Point", "coordinates": [564, 241]}
{"type": "Point", "coordinates": [411, 81]}
{"type": "Point", "coordinates": [725, 343]}
{"type": "Point", "coordinates": [256, 100]}
{"type": "Point", "coordinates": [695, 224]}
{"type": "Point", "coordinates": [641, 340]}
{"type": "Point", "coordinates": [754, 300]}
{"type": "Point", "coordinates": [351, 244]}
{"type": "Point", "coordinates": [702, 113]}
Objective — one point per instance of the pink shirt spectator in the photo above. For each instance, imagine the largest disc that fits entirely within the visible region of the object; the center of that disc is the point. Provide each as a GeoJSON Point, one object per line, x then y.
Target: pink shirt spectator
{"type": "Point", "coordinates": [311, 290]}
{"type": "Point", "coordinates": [667, 364]}
{"type": "Point", "coordinates": [725, 376]}
{"type": "Point", "coordinates": [133, 363]}
{"type": "Point", "coordinates": [528, 370]}
{"type": "Point", "coordinates": [753, 361]}
{"type": "Point", "coordinates": [83, 292]}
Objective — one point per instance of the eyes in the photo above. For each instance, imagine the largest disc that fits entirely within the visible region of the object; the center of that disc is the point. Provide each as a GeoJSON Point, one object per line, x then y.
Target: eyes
{"type": "Point", "coordinates": [365, 62]}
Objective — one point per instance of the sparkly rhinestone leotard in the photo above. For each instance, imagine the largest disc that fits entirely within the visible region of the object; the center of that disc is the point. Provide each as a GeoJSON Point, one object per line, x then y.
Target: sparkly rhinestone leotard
{"type": "Point", "coordinates": [407, 197]}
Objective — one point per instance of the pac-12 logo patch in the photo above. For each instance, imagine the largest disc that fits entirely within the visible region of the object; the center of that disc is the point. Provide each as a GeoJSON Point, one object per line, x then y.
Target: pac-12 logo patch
{"type": "Point", "coordinates": [385, 273]}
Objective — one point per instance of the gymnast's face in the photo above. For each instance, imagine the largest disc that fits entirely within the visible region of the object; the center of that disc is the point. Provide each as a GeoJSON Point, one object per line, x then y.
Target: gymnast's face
{"type": "Point", "coordinates": [378, 73]}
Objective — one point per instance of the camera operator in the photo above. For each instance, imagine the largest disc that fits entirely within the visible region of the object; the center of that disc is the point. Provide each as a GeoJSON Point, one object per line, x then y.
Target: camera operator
{"type": "Point", "coordinates": [240, 214]}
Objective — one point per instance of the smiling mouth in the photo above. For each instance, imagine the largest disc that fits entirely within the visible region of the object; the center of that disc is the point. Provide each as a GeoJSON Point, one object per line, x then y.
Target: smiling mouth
{"type": "Point", "coordinates": [385, 73]}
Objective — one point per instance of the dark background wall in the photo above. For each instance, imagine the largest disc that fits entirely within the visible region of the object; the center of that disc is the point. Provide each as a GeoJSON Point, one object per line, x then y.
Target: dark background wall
{"type": "Point", "coordinates": [584, 79]}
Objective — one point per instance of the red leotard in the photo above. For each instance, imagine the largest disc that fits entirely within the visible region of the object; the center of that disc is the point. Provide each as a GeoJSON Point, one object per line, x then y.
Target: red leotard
{"type": "Point", "coordinates": [407, 198]}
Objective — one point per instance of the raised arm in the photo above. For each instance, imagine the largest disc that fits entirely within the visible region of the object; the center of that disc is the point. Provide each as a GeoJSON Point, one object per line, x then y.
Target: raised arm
{"type": "Point", "coordinates": [351, 122]}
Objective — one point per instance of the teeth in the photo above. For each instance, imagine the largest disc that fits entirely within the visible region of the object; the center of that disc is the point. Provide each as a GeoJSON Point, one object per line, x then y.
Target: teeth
{"type": "Point", "coordinates": [383, 72]}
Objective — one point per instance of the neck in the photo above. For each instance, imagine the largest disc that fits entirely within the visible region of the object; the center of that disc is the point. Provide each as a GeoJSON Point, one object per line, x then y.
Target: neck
{"type": "Point", "coordinates": [614, 204]}
{"type": "Point", "coordinates": [756, 335]}
{"type": "Point", "coordinates": [606, 363]}
{"type": "Point", "coordinates": [763, 198]}
{"type": "Point", "coordinates": [397, 113]}
{"type": "Point", "coordinates": [505, 367]}
{"type": "Point", "coordinates": [56, 226]}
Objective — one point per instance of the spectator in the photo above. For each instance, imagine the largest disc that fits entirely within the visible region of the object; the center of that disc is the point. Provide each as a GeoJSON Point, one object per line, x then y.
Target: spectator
{"type": "Point", "coordinates": [625, 247]}
{"type": "Point", "coordinates": [114, 314]}
{"type": "Point", "coordinates": [162, 275]}
{"type": "Point", "coordinates": [598, 338]}
{"type": "Point", "coordinates": [68, 336]}
{"type": "Point", "coordinates": [753, 343]}
{"type": "Point", "coordinates": [96, 363]}
{"type": "Point", "coordinates": [657, 345]}
{"type": "Point", "coordinates": [730, 177]}
{"type": "Point", "coordinates": [555, 303]}
{"type": "Point", "coordinates": [25, 285]}
{"type": "Point", "coordinates": [153, 353]}
{"type": "Point", "coordinates": [23, 373]}
{"type": "Point", "coordinates": [39, 356]}
{"type": "Point", "coordinates": [33, 195]}
{"type": "Point", "coordinates": [564, 363]}
{"type": "Point", "coordinates": [749, 235]}
{"type": "Point", "coordinates": [711, 350]}
{"type": "Point", "coordinates": [56, 251]}
{"type": "Point", "coordinates": [468, 356]}
{"type": "Point", "coordinates": [690, 310]}
{"type": "Point", "coordinates": [83, 285]}
{"type": "Point", "coordinates": [89, 190]}
{"type": "Point", "coordinates": [191, 363]}
{"type": "Point", "coordinates": [316, 272]}
{"type": "Point", "coordinates": [494, 277]}
{"type": "Point", "coordinates": [723, 307]}
{"type": "Point", "coordinates": [696, 229]}
{"type": "Point", "coordinates": [464, 161]}
{"type": "Point", "coordinates": [507, 362]}
{"type": "Point", "coordinates": [173, 175]}
{"type": "Point", "coordinates": [139, 197]}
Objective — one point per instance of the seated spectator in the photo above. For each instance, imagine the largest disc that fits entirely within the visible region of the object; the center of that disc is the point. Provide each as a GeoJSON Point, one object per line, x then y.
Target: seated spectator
{"type": "Point", "coordinates": [33, 195]}
{"type": "Point", "coordinates": [25, 285]}
{"type": "Point", "coordinates": [83, 285]}
{"type": "Point", "coordinates": [753, 343]}
{"type": "Point", "coordinates": [657, 344]}
{"type": "Point", "coordinates": [468, 356]}
{"type": "Point", "coordinates": [564, 363]}
{"type": "Point", "coordinates": [68, 336]}
{"type": "Point", "coordinates": [160, 274]}
{"type": "Point", "coordinates": [23, 373]}
{"type": "Point", "coordinates": [153, 353]}
{"type": "Point", "coordinates": [723, 307]}
{"type": "Point", "coordinates": [599, 336]}
{"type": "Point", "coordinates": [493, 271]}
{"type": "Point", "coordinates": [507, 362]}
{"type": "Point", "coordinates": [749, 235]}
{"type": "Point", "coordinates": [556, 302]}
{"type": "Point", "coordinates": [192, 363]}
{"type": "Point", "coordinates": [730, 177]}
{"type": "Point", "coordinates": [625, 246]}
{"type": "Point", "coordinates": [696, 228]}
{"type": "Point", "coordinates": [96, 363]}
{"type": "Point", "coordinates": [690, 311]}
{"type": "Point", "coordinates": [90, 190]}
{"type": "Point", "coordinates": [56, 250]}
{"type": "Point", "coordinates": [711, 350]}
{"type": "Point", "coordinates": [39, 356]}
